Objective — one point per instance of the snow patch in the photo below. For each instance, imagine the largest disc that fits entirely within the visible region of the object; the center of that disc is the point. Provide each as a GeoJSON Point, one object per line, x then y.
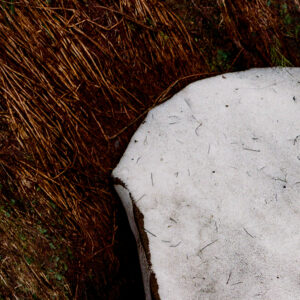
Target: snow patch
{"type": "Point", "coordinates": [215, 172]}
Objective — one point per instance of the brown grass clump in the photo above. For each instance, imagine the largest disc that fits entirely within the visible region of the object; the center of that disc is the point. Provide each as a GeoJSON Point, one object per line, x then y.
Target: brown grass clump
{"type": "Point", "coordinates": [76, 78]}
{"type": "Point", "coordinates": [72, 77]}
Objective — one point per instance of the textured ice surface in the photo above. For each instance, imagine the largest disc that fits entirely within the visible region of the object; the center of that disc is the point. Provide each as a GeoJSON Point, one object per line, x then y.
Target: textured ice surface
{"type": "Point", "coordinates": [216, 173]}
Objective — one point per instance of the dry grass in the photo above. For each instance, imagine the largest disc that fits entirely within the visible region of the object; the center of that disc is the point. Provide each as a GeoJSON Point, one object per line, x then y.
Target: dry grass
{"type": "Point", "coordinates": [256, 28]}
{"type": "Point", "coordinates": [71, 78]}
{"type": "Point", "coordinates": [76, 77]}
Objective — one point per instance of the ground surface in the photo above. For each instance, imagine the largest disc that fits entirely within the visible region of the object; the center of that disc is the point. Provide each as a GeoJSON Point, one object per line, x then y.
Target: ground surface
{"type": "Point", "coordinates": [72, 79]}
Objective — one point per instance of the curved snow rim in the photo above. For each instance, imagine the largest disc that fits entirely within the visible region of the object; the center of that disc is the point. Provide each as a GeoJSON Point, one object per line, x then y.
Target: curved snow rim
{"type": "Point", "coordinates": [215, 173]}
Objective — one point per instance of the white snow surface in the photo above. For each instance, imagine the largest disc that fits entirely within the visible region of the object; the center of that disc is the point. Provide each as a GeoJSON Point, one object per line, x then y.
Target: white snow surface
{"type": "Point", "coordinates": [216, 173]}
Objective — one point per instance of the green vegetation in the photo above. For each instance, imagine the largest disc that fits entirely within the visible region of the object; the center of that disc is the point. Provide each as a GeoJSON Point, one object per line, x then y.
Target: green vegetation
{"type": "Point", "coordinates": [30, 251]}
